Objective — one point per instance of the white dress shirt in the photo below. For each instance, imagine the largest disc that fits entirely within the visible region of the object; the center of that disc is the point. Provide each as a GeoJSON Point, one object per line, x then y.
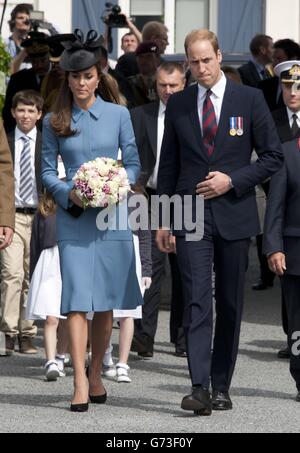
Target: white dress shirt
{"type": "Point", "coordinates": [19, 145]}
{"type": "Point", "coordinates": [291, 119]}
{"type": "Point", "coordinates": [152, 183]}
{"type": "Point", "coordinates": [218, 91]}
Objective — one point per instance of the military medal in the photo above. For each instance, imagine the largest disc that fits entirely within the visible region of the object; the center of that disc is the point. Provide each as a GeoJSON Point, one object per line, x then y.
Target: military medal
{"type": "Point", "coordinates": [240, 126]}
{"type": "Point", "coordinates": [233, 127]}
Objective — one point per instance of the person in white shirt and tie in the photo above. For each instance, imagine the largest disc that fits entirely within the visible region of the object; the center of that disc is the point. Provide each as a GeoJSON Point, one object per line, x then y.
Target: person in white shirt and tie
{"type": "Point", "coordinates": [25, 144]}
{"type": "Point", "coordinates": [148, 124]}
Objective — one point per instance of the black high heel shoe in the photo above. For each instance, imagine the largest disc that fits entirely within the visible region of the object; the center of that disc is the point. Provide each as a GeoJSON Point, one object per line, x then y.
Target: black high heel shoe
{"type": "Point", "coordinates": [99, 399]}
{"type": "Point", "coordinates": [79, 407]}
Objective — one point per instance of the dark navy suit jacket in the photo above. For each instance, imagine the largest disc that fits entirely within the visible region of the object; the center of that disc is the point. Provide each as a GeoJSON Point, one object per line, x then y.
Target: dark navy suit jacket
{"type": "Point", "coordinates": [185, 161]}
{"type": "Point", "coordinates": [282, 222]}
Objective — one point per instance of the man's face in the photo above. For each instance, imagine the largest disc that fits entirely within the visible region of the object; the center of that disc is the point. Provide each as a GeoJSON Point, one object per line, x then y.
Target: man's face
{"type": "Point", "coordinates": [204, 63]}
{"type": "Point", "coordinates": [40, 64]}
{"type": "Point", "coordinates": [168, 84]}
{"type": "Point", "coordinates": [129, 43]}
{"type": "Point", "coordinates": [267, 52]}
{"type": "Point", "coordinates": [22, 22]}
{"type": "Point", "coordinates": [279, 56]}
{"type": "Point", "coordinates": [291, 96]}
{"type": "Point", "coordinates": [26, 117]}
{"type": "Point", "coordinates": [162, 42]}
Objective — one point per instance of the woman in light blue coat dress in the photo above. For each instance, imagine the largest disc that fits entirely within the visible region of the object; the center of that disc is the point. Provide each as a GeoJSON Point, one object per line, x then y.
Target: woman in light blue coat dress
{"type": "Point", "coordinates": [98, 267]}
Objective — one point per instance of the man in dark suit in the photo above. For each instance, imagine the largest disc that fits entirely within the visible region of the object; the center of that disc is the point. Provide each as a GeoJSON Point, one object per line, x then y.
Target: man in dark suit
{"type": "Point", "coordinates": [210, 132]}
{"type": "Point", "coordinates": [282, 243]}
{"type": "Point", "coordinates": [287, 120]}
{"type": "Point", "coordinates": [148, 125]}
{"type": "Point", "coordinates": [26, 145]}
{"type": "Point", "coordinates": [255, 71]}
{"type": "Point", "coordinates": [37, 49]}
{"type": "Point", "coordinates": [284, 50]}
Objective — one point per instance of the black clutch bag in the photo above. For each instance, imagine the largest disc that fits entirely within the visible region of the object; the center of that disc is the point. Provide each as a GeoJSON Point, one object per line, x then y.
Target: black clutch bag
{"type": "Point", "coordinates": [75, 211]}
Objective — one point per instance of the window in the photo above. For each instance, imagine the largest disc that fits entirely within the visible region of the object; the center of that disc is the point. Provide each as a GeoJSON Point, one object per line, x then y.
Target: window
{"type": "Point", "coordinates": [190, 15]}
{"type": "Point", "coordinates": [144, 11]}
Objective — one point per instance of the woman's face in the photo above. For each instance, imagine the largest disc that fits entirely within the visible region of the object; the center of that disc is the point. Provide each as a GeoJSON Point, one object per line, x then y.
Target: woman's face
{"type": "Point", "coordinates": [83, 84]}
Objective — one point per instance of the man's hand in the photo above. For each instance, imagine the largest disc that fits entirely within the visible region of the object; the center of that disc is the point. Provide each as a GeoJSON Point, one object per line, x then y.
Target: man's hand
{"type": "Point", "coordinates": [215, 185]}
{"type": "Point", "coordinates": [73, 197]}
{"type": "Point", "coordinates": [277, 263]}
{"type": "Point", "coordinates": [6, 237]}
{"type": "Point", "coordinates": [165, 241]}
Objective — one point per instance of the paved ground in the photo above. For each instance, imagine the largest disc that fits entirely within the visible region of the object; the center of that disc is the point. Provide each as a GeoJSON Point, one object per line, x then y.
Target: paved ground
{"type": "Point", "coordinates": [263, 392]}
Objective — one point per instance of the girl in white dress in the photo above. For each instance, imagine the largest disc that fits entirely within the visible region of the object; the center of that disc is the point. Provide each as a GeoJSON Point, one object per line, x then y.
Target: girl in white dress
{"type": "Point", "coordinates": [44, 298]}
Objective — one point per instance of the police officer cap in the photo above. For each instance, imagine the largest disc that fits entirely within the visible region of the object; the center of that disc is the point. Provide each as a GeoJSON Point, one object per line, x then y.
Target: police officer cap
{"type": "Point", "coordinates": [36, 44]}
{"type": "Point", "coordinates": [288, 71]}
{"type": "Point", "coordinates": [56, 47]}
{"type": "Point", "coordinates": [81, 54]}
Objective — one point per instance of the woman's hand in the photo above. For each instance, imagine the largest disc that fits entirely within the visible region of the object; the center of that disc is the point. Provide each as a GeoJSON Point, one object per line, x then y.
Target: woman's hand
{"type": "Point", "coordinates": [73, 197]}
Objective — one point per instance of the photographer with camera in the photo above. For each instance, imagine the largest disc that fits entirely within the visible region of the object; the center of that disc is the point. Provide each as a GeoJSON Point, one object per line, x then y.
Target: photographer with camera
{"type": "Point", "coordinates": [19, 25]}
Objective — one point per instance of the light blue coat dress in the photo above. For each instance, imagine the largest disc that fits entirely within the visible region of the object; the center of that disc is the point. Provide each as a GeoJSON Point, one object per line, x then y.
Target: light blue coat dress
{"type": "Point", "coordinates": [97, 267]}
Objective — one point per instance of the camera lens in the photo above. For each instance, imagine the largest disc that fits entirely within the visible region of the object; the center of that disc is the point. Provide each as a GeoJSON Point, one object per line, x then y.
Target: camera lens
{"type": "Point", "coordinates": [116, 9]}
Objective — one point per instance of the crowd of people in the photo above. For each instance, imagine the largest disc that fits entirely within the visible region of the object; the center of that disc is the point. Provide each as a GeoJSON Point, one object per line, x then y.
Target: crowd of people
{"type": "Point", "coordinates": [197, 129]}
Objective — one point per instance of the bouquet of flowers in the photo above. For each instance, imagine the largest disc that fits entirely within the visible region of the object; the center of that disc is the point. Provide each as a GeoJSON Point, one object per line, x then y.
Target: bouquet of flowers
{"type": "Point", "coordinates": [101, 183]}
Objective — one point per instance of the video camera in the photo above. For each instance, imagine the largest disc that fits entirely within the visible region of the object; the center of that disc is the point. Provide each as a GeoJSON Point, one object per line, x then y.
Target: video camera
{"type": "Point", "coordinates": [37, 21]}
{"type": "Point", "coordinates": [112, 16]}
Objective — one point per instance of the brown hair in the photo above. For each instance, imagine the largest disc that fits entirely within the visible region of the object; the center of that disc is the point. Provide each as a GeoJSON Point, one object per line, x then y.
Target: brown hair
{"type": "Point", "coordinates": [171, 66]}
{"type": "Point", "coordinates": [62, 111]}
{"type": "Point", "coordinates": [152, 30]}
{"type": "Point", "coordinates": [257, 42]}
{"type": "Point", "coordinates": [28, 97]}
{"type": "Point", "coordinates": [47, 205]}
{"type": "Point", "coordinates": [202, 35]}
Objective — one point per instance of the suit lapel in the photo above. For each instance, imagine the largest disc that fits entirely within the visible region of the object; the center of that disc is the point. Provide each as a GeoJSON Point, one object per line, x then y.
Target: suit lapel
{"type": "Point", "coordinates": [38, 158]}
{"type": "Point", "coordinates": [192, 105]}
{"type": "Point", "coordinates": [151, 118]}
{"type": "Point", "coordinates": [11, 142]}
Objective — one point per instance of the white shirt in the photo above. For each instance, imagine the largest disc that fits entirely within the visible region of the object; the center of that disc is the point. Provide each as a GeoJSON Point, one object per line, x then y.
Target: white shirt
{"type": "Point", "coordinates": [218, 91]}
{"type": "Point", "coordinates": [291, 119]}
{"type": "Point", "coordinates": [152, 183]}
{"type": "Point", "coordinates": [19, 145]}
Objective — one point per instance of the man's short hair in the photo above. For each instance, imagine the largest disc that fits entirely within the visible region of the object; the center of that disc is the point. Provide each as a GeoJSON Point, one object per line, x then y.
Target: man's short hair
{"type": "Point", "coordinates": [202, 35]}
{"type": "Point", "coordinates": [153, 30]}
{"type": "Point", "coordinates": [290, 48]}
{"type": "Point", "coordinates": [170, 66]}
{"type": "Point", "coordinates": [257, 42]}
{"type": "Point", "coordinates": [28, 97]}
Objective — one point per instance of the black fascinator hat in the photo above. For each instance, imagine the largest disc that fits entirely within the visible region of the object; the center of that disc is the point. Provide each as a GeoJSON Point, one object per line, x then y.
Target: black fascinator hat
{"type": "Point", "coordinates": [81, 54]}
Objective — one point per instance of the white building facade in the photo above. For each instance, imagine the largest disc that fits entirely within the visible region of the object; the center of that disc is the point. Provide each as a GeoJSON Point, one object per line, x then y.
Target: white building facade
{"type": "Point", "coordinates": [235, 21]}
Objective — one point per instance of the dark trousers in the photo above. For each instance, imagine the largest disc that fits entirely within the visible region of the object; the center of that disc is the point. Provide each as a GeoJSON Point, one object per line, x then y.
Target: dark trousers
{"type": "Point", "coordinates": [146, 328]}
{"type": "Point", "coordinates": [196, 260]}
{"type": "Point", "coordinates": [291, 290]}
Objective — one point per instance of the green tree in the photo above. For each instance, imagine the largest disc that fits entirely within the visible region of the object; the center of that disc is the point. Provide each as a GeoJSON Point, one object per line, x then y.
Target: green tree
{"type": "Point", "coordinates": [4, 71]}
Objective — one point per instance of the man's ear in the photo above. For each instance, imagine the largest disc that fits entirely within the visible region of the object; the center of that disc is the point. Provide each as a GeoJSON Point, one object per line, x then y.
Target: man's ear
{"type": "Point", "coordinates": [13, 113]}
{"type": "Point", "coordinates": [40, 115]}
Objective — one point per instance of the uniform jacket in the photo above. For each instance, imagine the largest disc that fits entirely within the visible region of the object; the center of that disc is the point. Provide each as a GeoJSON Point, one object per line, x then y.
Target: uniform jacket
{"type": "Point", "coordinates": [283, 125]}
{"type": "Point", "coordinates": [282, 221]}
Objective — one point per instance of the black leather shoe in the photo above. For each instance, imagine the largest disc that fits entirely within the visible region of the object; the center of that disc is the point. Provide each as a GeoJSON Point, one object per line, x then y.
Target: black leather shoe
{"type": "Point", "coordinates": [179, 352]}
{"type": "Point", "coordinates": [199, 402]}
{"type": "Point", "coordinates": [99, 399]}
{"type": "Point", "coordinates": [298, 398]}
{"type": "Point", "coordinates": [142, 345]}
{"type": "Point", "coordinates": [261, 285]}
{"type": "Point", "coordinates": [221, 401]}
{"type": "Point", "coordinates": [284, 354]}
{"type": "Point", "coordinates": [79, 407]}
